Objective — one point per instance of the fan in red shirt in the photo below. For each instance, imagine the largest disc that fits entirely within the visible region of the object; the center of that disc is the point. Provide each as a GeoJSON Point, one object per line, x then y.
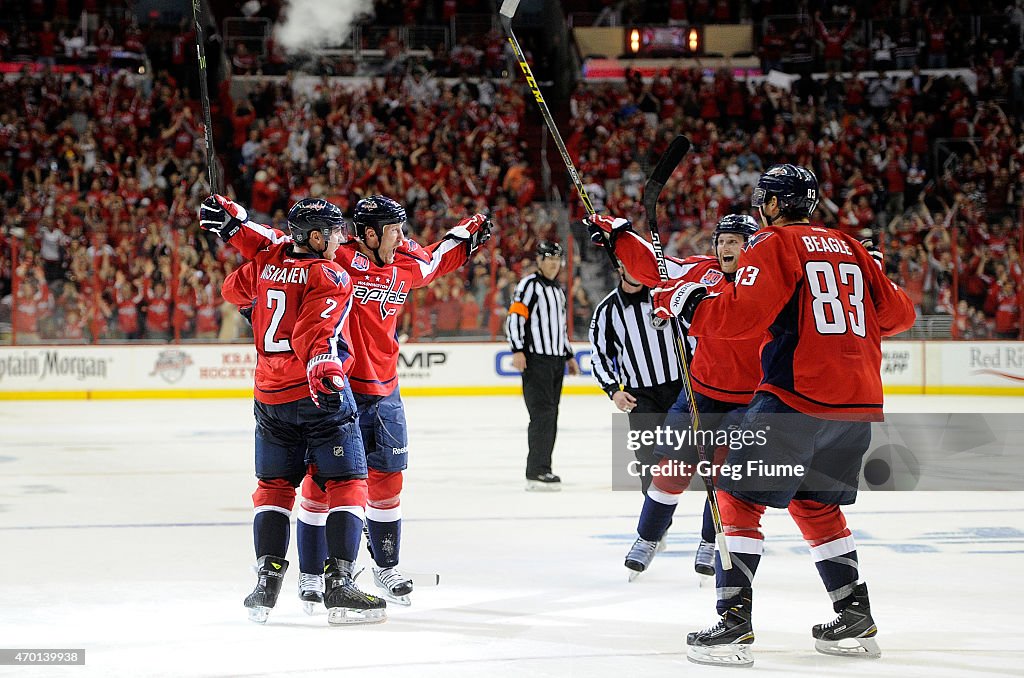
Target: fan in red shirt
{"type": "Point", "coordinates": [384, 267]}
{"type": "Point", "coordinates": [825, 303]}
{"type": "Point", "coordinates": [305, 412]}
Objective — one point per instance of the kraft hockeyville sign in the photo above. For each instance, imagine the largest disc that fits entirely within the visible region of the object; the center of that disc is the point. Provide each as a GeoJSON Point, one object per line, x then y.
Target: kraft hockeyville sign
{"type": "Point", "coordinates": [223, 370]}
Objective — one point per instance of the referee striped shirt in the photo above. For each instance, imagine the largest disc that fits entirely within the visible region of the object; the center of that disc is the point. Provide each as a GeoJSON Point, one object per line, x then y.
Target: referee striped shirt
{"type": "Point", "coordinates": [626, 349]}
{"type": "Point", "coordinates": [536, 320]}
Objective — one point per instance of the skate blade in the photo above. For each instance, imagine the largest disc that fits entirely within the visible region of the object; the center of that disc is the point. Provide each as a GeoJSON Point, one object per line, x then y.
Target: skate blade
{"type": "Point", "coordinates": [705, 580]}
{"type": "Point", "coordinates": [864, 648]}
{"type": "Point", "coordinates": [732, 655]}
{"type": "Point", "coordinates": [633, 574]}
{"type": "Point", "coordinates": [662, 545]}
{"type": "Point", "coordinates": [312, 608]}
{"type": "Point", "coordinates": [404, 601]}
{"type": "Point", "coordinates": [537, 486]}
{"type": "Point", "coordinates": [259, 614]}
{"type": "Point", "coordinates": [342, 616]}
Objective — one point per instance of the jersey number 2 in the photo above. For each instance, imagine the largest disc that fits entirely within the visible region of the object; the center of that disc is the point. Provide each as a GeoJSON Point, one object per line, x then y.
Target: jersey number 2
{"type": "Point", "coordinates": [276, 300]}
{"type": "Point", "coordinates": [831, 314]}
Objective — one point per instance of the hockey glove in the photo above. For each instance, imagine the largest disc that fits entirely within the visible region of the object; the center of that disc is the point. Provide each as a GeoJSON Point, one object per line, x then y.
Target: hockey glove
{"type": "Point", "coordinates": [246, 313]}
{"type": "Point", "coordinates": [875, 253]}
{"type": "Point", "coordinates": [219, 215]}
{"type": "Point", "coordinates": [604, 229]}
{"type": "Point", "coordinates": [326, 380]}
{"type": "Point", "coordinates": [474, 231]}
{"type": "Point", "coordinates": [679, 300]}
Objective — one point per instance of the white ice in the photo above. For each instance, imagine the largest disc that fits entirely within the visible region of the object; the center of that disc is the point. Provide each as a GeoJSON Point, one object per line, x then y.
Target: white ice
{"type": "Point", "coordinates": [125, 530]}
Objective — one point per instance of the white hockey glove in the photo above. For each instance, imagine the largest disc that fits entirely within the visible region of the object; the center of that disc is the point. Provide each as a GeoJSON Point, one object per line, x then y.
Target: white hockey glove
{"type": "Point", "coordinates": [678, 301]}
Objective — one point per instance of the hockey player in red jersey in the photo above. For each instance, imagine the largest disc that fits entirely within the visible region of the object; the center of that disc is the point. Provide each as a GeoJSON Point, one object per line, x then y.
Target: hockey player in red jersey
{"type": "Point", "coordinates": [825, 303]}
{"type": "Point", "coordinates": [384, 267]}
{"type": "Point", "coordinates": [304, 408]}
{"type": "Point", "coordinates": [724, 374]}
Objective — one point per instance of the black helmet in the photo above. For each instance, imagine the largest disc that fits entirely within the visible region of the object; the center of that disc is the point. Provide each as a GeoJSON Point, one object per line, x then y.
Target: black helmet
{"type": "Point", "coordinates": [741, 224]}
{"type": "Point", "coordinates": [795, 187]}
{"type": "Point", "coordinates": [314, 214]}
{"type": "Point", "coordinates": [549, 249]}
{"type": "Point", "coordinates": [375, 212]}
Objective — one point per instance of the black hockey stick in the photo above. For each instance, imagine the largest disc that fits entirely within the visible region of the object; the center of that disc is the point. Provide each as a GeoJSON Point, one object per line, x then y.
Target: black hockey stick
{"type": "Point", "coordinates": [211, 155]}
{"type": "Point", "coordinates": [507, 11]}
{"type": "Point", "coordinates": [667, 164]}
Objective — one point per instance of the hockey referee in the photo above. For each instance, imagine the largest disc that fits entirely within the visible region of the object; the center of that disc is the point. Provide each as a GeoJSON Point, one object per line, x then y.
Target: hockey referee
{"type": "Point", "coordinates": [539, 340]}
{"type": "Point", "coordinates": [635, 364]}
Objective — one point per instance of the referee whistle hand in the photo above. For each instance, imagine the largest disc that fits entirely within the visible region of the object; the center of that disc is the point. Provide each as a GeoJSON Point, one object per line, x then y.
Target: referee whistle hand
{"type": "Point", "coordinates": [624, 401]}
{"type": "Point", "coordinates": [519, 361]}
{"type": "Point", "coordinates": [574, 367]}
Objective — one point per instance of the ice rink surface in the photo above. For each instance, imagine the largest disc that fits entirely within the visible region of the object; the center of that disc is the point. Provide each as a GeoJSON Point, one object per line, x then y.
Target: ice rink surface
{"type": "Point", "coordinates": [125, 530]}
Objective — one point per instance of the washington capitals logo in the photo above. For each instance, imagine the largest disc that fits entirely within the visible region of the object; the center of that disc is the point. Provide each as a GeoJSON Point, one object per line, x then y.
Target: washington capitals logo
{"type": "Point", "coordinates": [711, 278]}
{"type": "Point", "coordinates": [366, 292]}
{"type": "Point", "coordinates": [360, 262]}
{"type": "Point", "coordinates": [337, 277]}
{"type": "Point", "coordinates": [755, 239]}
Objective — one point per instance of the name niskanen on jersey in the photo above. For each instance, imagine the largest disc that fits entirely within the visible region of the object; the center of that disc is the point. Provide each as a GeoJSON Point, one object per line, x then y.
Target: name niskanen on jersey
{"type": "Point", "coordinates": [273, 273]}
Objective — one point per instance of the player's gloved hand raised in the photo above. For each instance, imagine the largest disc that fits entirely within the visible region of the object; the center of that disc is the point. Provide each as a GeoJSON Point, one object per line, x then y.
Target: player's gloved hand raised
{"type": "Point", "coordinates": [326, 380]}
{"type": "Point", "coordinates": [474, 231]}
{"type": "Point", "coordinates": [875, 253]}
{"type": "Point", "coordinates": [604, 229]}
{"type": "Point", "coordinates": [222, 216]}
{"type": "Point", "coordinates": [678, 300]}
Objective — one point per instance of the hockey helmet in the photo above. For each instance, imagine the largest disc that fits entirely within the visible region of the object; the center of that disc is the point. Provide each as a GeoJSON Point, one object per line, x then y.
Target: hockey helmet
{"type": "Point", "coordinates": [796, 189]}
{"type": "Point", "coordinates": [548, 249]}
{"type": "Point", "coordinates": [314, 214]}
{"type": "Point", "coordinates": [740, 224]}
{"type": "Point", "coordinates": [376, 212]}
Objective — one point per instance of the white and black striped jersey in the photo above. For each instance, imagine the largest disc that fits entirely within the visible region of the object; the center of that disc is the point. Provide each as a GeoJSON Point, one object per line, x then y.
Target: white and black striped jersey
{"type": "Point", "coordinates": [626, 349]}
{"type": "Point", "coordinates": [536, 320]}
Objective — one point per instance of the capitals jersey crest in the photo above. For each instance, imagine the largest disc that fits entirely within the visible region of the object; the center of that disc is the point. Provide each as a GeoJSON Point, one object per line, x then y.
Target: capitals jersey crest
{"type": "Point", "coordinates": [337, 277]}
{"type": "Point", "coordinates": [360, 262]}
{"type": "Point", "coordinates": [756, 238]}
{"type": "Point", "coordinates": [711, 277]}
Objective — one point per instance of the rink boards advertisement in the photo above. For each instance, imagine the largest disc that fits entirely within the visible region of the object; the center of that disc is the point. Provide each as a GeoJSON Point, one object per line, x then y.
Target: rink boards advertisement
{"type": "Point", "coordinates": [226, 370]}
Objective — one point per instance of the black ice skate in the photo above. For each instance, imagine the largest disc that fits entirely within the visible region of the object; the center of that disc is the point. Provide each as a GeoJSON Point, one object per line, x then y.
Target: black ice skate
{"type": "Point", "coordinates": [728, 642]}
{"type": "Point", "coordinates": [311, 592]}
{"type": "Point", "coordinates": [346, 604]}
{"type": "Point", "coordinates": [270, 573]}
{"type": "Point", "coordinates": [543, 482]}
{"type": "Point", "coordinates": [394, 585]}
{"type": "Point", "coordinates": [852, 633]}
{"type": "Point", "coordinates": [640, 556]}
{"type": "Point", "coordinates": [704, 562]}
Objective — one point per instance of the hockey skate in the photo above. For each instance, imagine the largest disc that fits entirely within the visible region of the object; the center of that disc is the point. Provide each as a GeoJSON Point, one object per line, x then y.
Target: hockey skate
{"type": "Point", "coordinates": [852, 633]}
{"type": "Point", "coordinates": [543, 482]}
{"type": "Point", "coordinates": [311, 592]}
{"type": "Point", "coordinates": [728, 642]}
{"type": "Point", "coordinates": [270, 572]}
{"type": "Point", "coordinates": [704, 561]}
{"type": "Point", "coordinates": [640, 556]}
{"type": "Point", "coordinates": [394, 585]}
{"type": "Point", "coordinates": [346, 604]}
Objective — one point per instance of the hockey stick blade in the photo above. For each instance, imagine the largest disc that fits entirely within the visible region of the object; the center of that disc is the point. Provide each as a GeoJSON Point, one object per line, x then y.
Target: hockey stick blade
{"type": "Point", "coordinates": [667, 164]}
{"type": "Point", "coordinates": [508, 9]}
{"type": "Point", "coordinates": [424, 578]}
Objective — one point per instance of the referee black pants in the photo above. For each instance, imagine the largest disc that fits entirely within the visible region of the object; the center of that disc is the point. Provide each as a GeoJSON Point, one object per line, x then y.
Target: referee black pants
{"type": "Point", "coordinates": [542, 390]}
{"type": "Point", "coordinates": [652, 405]}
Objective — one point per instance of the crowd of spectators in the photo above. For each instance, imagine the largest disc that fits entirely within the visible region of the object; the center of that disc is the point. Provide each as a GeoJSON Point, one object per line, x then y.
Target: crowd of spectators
{"type": "Point", "coordinates": [102, 172]}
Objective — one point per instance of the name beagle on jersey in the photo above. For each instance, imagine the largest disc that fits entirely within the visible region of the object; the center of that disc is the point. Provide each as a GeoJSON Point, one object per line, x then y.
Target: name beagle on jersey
{"type": "Point", "coordinates": [819, 243]}
{"type": "Point", "coordinates": [285, 275]}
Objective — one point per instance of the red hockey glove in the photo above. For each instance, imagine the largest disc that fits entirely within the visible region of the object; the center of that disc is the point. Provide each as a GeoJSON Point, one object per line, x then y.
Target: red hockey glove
{"type": "Point", "coordinates": [219, 215]}
{"type": "Point", "coordinates": [474, 231]}
{"type": "Point", "coordinates": [678, 300]}
{"type": "Point", "coordinates": [604, 229]}
{"type": "Point", "coordinates": [325, 377]}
